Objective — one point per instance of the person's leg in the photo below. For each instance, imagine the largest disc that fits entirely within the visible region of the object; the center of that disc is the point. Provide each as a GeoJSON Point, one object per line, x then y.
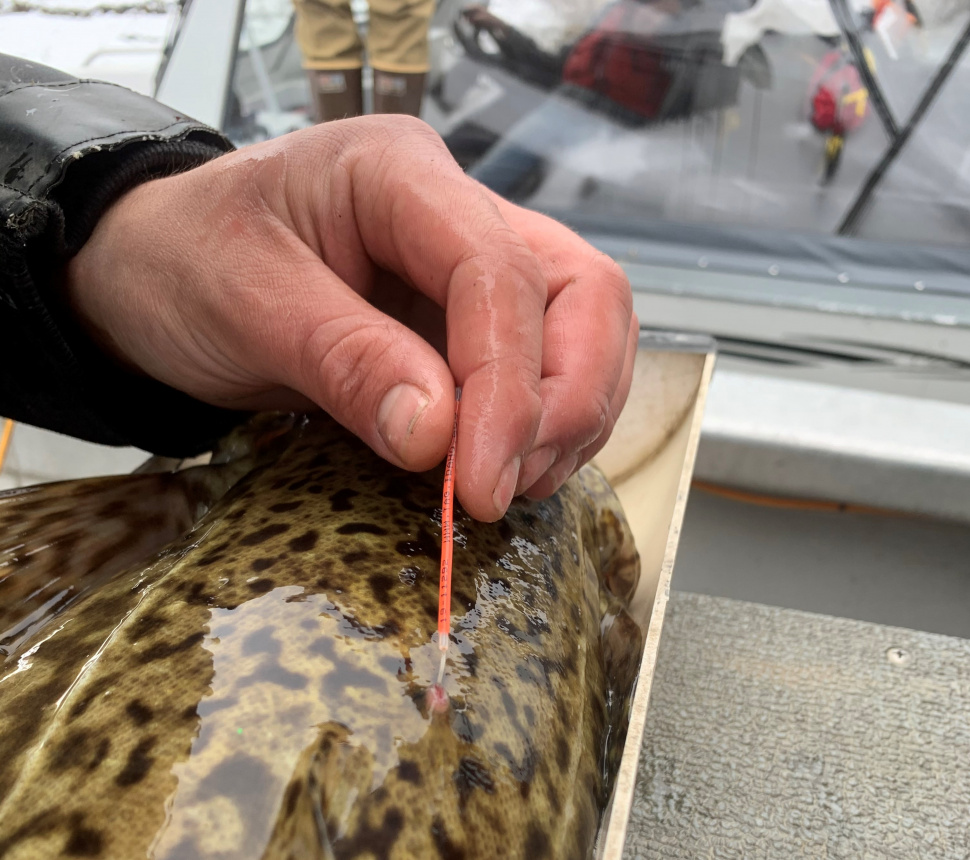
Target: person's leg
{"type": "Point", "coordinates": [332, 55]}
{"type": "Point", "coordinates": [397, 44]}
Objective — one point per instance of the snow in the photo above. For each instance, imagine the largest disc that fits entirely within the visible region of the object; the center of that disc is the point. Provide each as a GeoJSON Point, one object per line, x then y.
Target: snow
{"type": "Point", "coordinates": [89, 39]}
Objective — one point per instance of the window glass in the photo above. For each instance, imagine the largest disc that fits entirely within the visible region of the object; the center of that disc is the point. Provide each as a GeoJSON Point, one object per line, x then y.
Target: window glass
{"type": "Point", "coordinates": [269, 95]}
{"type": "Point", "coordinates": [924, 196]}
{"type": "Point", "coordinates": [775, 113]}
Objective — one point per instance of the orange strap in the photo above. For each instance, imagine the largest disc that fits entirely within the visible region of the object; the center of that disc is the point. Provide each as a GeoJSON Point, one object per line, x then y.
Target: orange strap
{"type": "Point", "coordinates": [447, 536]}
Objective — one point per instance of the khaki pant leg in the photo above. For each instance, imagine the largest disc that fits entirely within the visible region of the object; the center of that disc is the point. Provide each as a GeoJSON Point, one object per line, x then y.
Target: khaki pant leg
{"type": "Point", "coordinates": [327, 35]}
{"type": "Point", "coordinates": [397, 40]}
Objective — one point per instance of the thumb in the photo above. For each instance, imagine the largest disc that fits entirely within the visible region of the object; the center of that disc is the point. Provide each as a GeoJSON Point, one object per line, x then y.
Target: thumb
{"type": "Point", "coordinates": [379, 379]}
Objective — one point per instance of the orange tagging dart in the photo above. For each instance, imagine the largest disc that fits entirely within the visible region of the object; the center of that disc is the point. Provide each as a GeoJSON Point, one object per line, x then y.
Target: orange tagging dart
{"type": "Point", "coordinates": [447, 543]}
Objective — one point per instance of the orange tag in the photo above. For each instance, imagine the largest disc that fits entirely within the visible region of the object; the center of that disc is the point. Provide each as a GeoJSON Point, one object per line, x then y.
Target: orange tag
{"type": "Point", "coordinates": [447, 536]}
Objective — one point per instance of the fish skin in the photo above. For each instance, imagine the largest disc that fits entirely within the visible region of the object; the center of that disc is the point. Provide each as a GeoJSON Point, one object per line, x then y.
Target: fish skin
{"type": "Point", "coordinates": [60, 540]}
{"type": "Point", "coordinates": [259, 690]}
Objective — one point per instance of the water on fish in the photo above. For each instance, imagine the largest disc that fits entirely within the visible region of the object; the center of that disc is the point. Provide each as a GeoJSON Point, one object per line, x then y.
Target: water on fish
{"type": "Point", "coordinates": [260, 689]}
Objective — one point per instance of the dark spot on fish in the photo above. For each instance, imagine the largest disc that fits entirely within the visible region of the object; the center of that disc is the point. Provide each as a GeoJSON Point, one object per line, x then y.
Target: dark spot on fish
{"type": "Point", "coordinates": [323, 646]}
{"type": "Point", "coordinates": [505, 530]}
{"type": "Point", "coordinates": [372, 841]}
{"type": "Point", "coordinates": [389, 627]}
{"type": "Point", "coordinates": [425, 544]}
{"type": "Point", "coordinates": [197, 595]}
{"type": "Point", "coordinates": [319, 461]}
{"type": "Point", "coordinates": [190, 713]}
{"type": "Point", "coordinates": [271, 672]}
{"type": "Point", "coordinates": [352, 558]}
{"type": "Point", "coordinates": [469, 775]}
{"type": "Point", "coordinates": [409, 772]}
{"type": "Point", "coordinates": [447, 850]}
{"type": "Point", "coordinates": [381, 585]}
{"type": "Point", "coordinates": [343, 677]}
{"type": "Point", "coordinates": [536, 843]}
{"type": "Point", "coordinates": [464, 728]}
{"type": "Point", "coordinates": [71, 751]}
{"type": "Point", "coordinates": [161, 650]}
{"type": "Point", "coordinates": [535, 626]}
{"type": "Point", "coordinates": [285, 507]}
{"type": "Point", "coordinates": [241, 778]}
{"type": "Point", "coordinates": [305, 542]}
{"type": "Point", "coordinates": [279, 484]}
{"type": "Point", "coordinates": [553, 796]}
{"type": "Point", "coordinates": [138, 764]}
{"type": "Point", "coordinates": [291, 798]}
{"type": "Point", "coordinates": [562, 753]}
{"type": "Point", "coordinates": [569, 663]}
{"type": "Point", "coordinates": [316, 489]}
{"type": "Point", "coordinates": [299, 484]}
{"type": "Point", "coordinates": [471, 663]}
{"type": "Point", "coordinates": [261, 641]}
{"type": "Point", "coordinates": [509, 704]}
{"type": "Point", "coordinates": [507, 626]}
{"type": "Point", "coordinates": [146, 626]}
{"type": "Point", "coordinates": [340, 501]}
{"type": "Point", "coordinates": [361, 528]}
{"type": "Point", "coordinates": [260, 586]}
{"type": "Point", "coordinates": [139, 712]}
{"type": "Point", "coordinates": [258, 565]}
{"type": "Point", "coordinates": [264, 534]}
{"type": "Point", "coordinates": [525, 789]}
{"type": "Point", "coordinates": [498, 586]}
{"type": "Point", "coordinates": [530, 715]}
{"type": "Point", "coordinates": [97, 688]}
{"type": "Point", "coordinates": [83, 841]}
{"type": "Point", "coordinates": [523, 771]}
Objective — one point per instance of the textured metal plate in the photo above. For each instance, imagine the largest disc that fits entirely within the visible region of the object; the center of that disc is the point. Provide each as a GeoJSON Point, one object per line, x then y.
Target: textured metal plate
{"type": "Point", "coordinates": [776, 734]}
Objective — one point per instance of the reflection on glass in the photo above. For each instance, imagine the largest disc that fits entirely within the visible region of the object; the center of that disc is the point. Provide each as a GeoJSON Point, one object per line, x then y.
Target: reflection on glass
{"type": "Point", "coordinates": [777, 113]}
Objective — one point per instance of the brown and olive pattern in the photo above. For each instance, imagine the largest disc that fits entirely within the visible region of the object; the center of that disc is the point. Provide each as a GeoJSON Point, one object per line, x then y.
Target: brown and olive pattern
{"type": "Point", "coordinates": [261, 688]}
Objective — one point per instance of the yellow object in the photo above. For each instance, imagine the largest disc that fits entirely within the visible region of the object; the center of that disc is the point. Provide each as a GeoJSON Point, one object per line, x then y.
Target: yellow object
{"type": "Point", "coordinates": [5, 440]}
{"type": "Point", "coordinates": [397, 35]}
{"type": "Point", "coordinates": [859, 98]}
{"type": "Point", "coordinates": [833, 146]}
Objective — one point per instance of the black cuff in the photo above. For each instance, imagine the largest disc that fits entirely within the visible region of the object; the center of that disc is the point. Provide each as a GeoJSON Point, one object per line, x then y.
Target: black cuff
{"type": "Point", "coordinates": [68, 150]}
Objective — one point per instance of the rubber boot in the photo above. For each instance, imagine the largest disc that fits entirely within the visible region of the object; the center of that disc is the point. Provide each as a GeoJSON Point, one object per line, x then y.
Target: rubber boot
{"type": "Point", "coordinates": [398, 93]}
{"type": "Point", "coordinates": [336, 93]}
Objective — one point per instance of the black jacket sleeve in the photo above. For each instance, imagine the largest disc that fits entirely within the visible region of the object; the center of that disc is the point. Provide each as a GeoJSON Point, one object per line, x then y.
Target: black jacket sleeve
{"type": "Point", "coordinates": [68, 149]}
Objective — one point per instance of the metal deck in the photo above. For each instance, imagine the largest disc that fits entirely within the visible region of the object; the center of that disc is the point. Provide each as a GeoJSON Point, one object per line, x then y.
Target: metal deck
{"type": "Point", "coordinates": [774, 733]}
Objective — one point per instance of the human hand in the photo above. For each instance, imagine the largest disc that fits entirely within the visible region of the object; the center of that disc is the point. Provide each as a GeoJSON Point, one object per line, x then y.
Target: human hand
{"type": "Point", "coordinates": [333, 267]}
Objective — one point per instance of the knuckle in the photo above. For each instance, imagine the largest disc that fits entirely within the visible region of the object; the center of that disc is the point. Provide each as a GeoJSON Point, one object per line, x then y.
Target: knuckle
{"type": "Point", "coordinates": [589, 419]}
{"type": "Point", "coordinates": [345, 366]}
{"type": "Point", "coordinates": [613, 280]}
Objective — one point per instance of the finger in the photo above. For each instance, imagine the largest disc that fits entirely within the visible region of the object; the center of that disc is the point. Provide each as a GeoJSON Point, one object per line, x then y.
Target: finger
{"type": "Point", "coordinates": [419, 216]}
{"type": "Point", "coordinates": [586, 347]}
{"type": "Point", "coordinates": [547, 483]}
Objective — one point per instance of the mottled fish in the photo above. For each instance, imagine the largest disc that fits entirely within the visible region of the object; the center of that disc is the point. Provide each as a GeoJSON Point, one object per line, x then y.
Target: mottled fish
{"type": "Point", "coordinates": [260, 688]}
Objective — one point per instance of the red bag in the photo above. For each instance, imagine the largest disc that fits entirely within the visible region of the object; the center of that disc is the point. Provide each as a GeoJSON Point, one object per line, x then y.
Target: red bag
{"type": "Point", "coordinates": [616, 60]}
{"type": "Point", "coordinates": [839, 99]}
